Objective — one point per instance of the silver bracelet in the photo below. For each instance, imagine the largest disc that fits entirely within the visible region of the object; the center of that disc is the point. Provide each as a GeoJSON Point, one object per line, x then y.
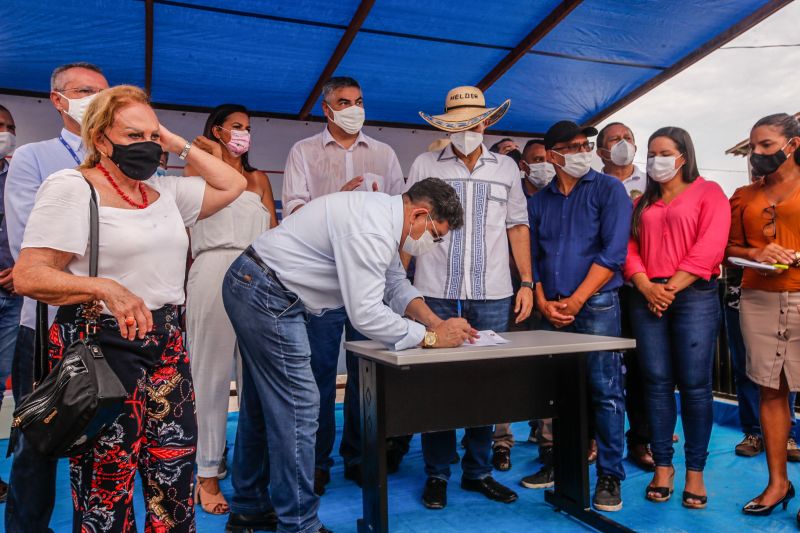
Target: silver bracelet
{"type": "Point", "coordinates": [185, 151]}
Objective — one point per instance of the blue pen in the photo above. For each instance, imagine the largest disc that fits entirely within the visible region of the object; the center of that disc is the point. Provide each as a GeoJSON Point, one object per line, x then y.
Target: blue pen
{"type": "Point", "coordinates": [458, 308]}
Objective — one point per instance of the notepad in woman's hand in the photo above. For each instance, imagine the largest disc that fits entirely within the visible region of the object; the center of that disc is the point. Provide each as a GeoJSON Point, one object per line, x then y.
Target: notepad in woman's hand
{"type": "Point", "coordinates": [746, 263]}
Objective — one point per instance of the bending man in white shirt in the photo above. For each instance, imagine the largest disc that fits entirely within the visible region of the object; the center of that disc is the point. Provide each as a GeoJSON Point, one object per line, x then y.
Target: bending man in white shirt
{"type": "Point", "coordinates": [341, 250]}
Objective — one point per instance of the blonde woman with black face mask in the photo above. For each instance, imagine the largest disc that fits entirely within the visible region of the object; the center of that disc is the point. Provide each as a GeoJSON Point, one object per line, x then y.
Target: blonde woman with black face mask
{"type": "Point", "coordinates": [141, 266]}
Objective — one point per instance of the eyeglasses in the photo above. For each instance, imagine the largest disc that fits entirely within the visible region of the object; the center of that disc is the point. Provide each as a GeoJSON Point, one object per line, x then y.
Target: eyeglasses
{"type": "Point", "coordinates": [82, 91]}
{"type": "Point", "coordinates": [436, 236]}
{"type": "Point", "coordinates": [769, 229]}
{"type": "Point", "coordinates": [574, 148]}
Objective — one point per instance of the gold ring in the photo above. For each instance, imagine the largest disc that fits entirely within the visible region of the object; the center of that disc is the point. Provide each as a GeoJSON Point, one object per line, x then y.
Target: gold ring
{"type": "Point", "coordinates": [129, 321]}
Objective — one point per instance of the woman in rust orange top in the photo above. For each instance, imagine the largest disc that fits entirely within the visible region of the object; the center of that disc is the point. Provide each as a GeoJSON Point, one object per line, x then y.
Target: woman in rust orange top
{"type": "Point", "coordinates": [765, 227]}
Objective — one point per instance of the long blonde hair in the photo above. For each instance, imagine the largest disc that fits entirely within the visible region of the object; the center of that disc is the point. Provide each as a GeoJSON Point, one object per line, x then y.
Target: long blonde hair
{"type": "Point", "coordinates": [100, 116]}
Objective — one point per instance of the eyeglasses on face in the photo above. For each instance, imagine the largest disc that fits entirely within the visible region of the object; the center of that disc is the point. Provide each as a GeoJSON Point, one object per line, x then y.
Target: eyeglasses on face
{"type": "Point", "coordinates": [574, 148]}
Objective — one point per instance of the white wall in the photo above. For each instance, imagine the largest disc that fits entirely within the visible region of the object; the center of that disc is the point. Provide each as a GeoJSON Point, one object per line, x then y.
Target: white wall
{"type": "Point", "coordinates": [36, 119]}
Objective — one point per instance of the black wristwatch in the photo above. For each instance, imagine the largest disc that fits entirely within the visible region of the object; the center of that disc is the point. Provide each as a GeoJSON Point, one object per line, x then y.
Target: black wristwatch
{"type": "Point", "coordinates": [528, 284]}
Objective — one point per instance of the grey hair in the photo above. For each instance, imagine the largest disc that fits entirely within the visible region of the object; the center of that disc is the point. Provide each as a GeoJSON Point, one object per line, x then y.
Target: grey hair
{"type": "Point", "coordinates": [63, 68]}
{"type": "Point", "coordinates": [338, 82]}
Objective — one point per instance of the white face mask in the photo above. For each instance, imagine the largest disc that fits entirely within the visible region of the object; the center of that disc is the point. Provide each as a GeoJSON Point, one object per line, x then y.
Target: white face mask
{"type": "Point", "coordinates": [540, 174]}
{"type": "Point", "coordinates": [576, 165]}
{"type": "Point", "coordinates": [350, 119]}
{"type": "Point", "coordinates": [662, 168]}
{"type": "Point", "coordinates": [466, 142]}
{"type": "Point", "coordinates": [77, 108]}
{"type": "Point", "coordinates": [622, 153]}
{"type": "Point", "coordinates": [8, 141]}
{"type": "Point", "coordinates": [421, 246]}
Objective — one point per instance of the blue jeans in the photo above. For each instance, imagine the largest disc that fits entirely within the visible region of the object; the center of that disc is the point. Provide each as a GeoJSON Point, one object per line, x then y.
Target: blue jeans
{"type": "Point", "coordinates": [22, 364]}
{"type": "Point", "coordinates": [746, 391]}
{"type": "Point", "coordinates": [678, 349]}
{"type": "Point", "coordinates": [438, 448]}
{"type": "Point", "coordinates": [281, 398]}
{"type": "Point", "coordinates": [600, 315]}
{"type": "Point", "coordinates": [324, 336]}
{"type": "Point", "coordinates": [10, 308]}
{"type": "Point", "coordinates": [32, 484]}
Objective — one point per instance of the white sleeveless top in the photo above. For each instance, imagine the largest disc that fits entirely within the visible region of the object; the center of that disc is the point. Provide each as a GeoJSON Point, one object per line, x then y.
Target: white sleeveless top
{"type": "Point", "coordinates": [142, 249]}
{"type": "Point", "coordinates": [234, 227]}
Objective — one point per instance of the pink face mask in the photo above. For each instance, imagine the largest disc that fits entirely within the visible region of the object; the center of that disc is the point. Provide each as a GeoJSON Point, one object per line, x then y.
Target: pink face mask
{"type": "Point", "coordinates": [239, 143]}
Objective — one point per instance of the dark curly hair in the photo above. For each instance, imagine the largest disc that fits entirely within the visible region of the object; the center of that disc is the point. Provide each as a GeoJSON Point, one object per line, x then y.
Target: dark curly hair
{"type": "Point", "coordinates": [444, 202]}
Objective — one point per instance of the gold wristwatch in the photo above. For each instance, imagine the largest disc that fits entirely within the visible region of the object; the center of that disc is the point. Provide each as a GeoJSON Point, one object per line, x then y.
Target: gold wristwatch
{"type": "Point", "coordinates": [430, 339]}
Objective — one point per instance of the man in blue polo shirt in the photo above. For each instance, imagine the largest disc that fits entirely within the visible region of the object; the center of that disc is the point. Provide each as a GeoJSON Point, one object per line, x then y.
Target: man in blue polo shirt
{"type": "Point", "coordinates": [580, 224]}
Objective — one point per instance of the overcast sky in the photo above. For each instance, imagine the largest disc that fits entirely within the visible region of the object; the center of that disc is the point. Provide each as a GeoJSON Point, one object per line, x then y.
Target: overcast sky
{"type": "Point", "coordinates": [719, 98]}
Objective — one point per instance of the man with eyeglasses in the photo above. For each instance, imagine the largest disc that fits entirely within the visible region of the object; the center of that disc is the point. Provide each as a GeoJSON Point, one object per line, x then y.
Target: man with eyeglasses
{"type": "Point", "coordinates": [580, 223]}
{"type": "Point", "coordinates": [72, 86]}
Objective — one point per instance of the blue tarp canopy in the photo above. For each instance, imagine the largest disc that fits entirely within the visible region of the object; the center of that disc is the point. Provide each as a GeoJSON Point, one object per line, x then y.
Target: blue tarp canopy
{"type": "Point", "coordinates": [579, 60]}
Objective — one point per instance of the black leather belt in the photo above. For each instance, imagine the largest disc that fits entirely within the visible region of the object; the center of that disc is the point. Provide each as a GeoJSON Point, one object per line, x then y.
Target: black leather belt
{"type": "Point", "coordinates": [253, 255]}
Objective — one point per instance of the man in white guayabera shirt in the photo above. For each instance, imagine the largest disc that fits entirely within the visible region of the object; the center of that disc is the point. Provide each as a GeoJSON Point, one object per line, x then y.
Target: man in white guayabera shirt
{"type": "Point", "coordinates": [338, 251]}
{"type": "Point", "coordinates": [72, 86]}
{"type": "Point", "coordinates": [339, 158]}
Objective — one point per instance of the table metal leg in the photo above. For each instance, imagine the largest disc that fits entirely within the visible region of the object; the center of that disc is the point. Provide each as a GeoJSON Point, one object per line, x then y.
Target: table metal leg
{"type": "Point", "coordinates": [570, 436]}
{"type": "Point", "coordinates": [373, 450]}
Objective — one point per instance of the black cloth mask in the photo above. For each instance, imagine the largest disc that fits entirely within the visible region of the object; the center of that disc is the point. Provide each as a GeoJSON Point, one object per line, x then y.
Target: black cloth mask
{"type": "Point", "coordinates": [138, 161]}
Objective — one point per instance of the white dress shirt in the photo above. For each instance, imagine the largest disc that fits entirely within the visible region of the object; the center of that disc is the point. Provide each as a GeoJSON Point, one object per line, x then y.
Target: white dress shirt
{"type": "Point", "coordinates": [472, 262]}
{"type": "Point", "coordinates": [342, 250]}
{"type": "Point", "coordinates": [319, 165]}
{"type": "Point", "coordinates": [31, 165]}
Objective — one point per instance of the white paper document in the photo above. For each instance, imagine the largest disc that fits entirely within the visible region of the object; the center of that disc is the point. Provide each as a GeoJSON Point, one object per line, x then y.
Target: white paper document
{"type": "Point", "coordinates": [371, 181]}
{"type": "Point", "coordinates": [487, 337]}
{"type": "Point", "coordinates": [746, 263]}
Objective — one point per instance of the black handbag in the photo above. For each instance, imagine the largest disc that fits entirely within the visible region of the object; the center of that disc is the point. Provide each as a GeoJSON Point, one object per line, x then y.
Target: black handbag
{"type": "Point", "coordinates": [81, 396]}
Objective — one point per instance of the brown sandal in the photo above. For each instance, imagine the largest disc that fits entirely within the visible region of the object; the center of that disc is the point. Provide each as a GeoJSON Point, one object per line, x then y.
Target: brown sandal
{"type": "Point", "coordinates": [211, 503]}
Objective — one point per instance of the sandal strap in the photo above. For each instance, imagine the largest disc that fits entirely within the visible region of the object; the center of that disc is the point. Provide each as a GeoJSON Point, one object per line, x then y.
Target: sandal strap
{"type": "Point", "coordinates": [690, 496]}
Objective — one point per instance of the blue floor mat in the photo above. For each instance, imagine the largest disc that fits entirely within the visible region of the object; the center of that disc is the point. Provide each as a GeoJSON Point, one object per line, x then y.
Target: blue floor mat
{"type": "Point", "coordinates": [731, 482]}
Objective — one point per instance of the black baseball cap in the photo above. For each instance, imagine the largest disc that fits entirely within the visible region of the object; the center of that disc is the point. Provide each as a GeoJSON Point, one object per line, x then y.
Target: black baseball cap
{"type": "Point", "coordinates": [565, 130]}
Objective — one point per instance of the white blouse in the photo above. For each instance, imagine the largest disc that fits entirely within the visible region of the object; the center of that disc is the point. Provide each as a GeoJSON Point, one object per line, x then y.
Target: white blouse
{"type": "Point", "coordinates": [142, 249]}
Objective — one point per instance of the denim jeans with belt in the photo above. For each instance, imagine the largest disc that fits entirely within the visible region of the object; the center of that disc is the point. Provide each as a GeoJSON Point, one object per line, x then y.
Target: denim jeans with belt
{"type": "Point", "coordinates": [439, 447]}
{"type": "Point", "coordinates": [600, 315]}
{"type": "Point", "coordinates": [678, 349]}
{"type": "Point", "coordinates": [281, 401]}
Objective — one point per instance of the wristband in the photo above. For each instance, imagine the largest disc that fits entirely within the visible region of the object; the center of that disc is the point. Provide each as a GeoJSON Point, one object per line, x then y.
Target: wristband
{"type": "Point", "coordinates": [185, 151]}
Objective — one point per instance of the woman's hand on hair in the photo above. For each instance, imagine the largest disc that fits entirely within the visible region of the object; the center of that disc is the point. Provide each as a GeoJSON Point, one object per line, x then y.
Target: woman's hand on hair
{"type": "Point", "coordinates": [207, 145]}
{"type": "Point", "coordinates": [169, 141]}
{"type": "Point", "coordinates": [123, 304]}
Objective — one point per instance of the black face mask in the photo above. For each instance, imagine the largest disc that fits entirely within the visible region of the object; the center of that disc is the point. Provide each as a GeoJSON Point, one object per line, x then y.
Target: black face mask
{"type": "Point", "coordinates": [138, 161]}
{"type": "Point", "coordinates": [764, 165]}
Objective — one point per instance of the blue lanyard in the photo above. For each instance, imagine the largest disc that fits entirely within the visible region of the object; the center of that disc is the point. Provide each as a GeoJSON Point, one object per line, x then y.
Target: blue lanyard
{"type": "Point", "coordinates": [70, 150]}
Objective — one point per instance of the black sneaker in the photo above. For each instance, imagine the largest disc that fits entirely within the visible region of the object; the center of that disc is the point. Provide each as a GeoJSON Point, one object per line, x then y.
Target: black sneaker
{"type": "Point", "coordinates": [435, 494]}
{"type": "Point", "coordinates": [542, 479]}
{"type": "Point", "coordinates": [324, 529]}
{"type": "Point", "coordinates": [3, 491]}
{"type": "Point", "coordinates": [607, 494]}
{"type": "Point", "coordinates": [248, 523]}
{"type": "Point", "coordinates": [501, 458]}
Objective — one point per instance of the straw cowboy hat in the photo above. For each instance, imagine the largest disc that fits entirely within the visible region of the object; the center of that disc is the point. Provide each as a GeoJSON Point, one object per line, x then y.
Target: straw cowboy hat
{"type": "Point", "coordinates": [464, 108]}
